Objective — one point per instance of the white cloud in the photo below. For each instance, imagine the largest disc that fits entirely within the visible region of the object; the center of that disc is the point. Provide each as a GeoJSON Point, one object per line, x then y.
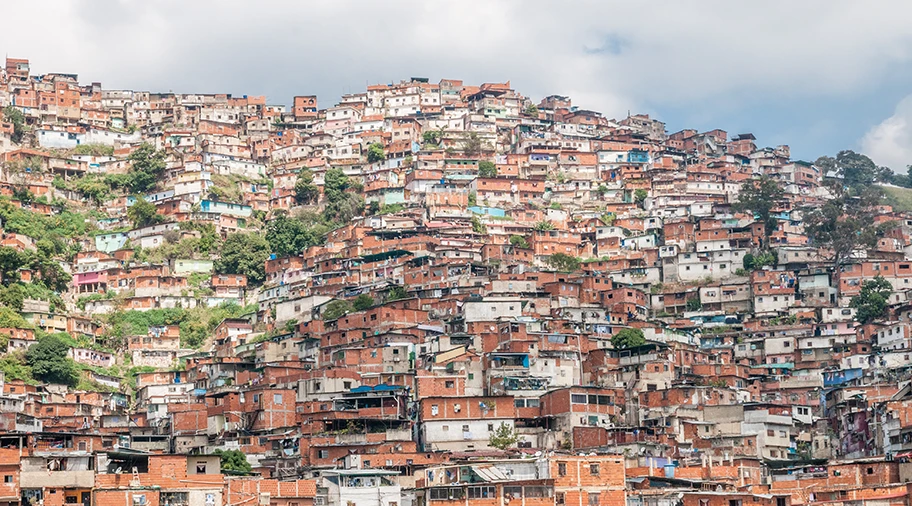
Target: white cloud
{"type": "Point", "coordinates": [890, 142]}
{"type": "Point", "coordinates": [608, 55]}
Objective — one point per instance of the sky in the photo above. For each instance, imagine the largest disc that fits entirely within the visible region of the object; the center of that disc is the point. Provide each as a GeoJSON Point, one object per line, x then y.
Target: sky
{"type": "Point", "coordinates": [820, 76]}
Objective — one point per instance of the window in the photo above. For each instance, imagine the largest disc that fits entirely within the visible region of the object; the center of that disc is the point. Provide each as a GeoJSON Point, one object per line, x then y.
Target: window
{"type": "Point", "coordinates": [323, 454]}
{"type": "Point", "coordinates": [562, 469]}
{"type": "Point", "coordinates": [277, 398]}
{"type": "Point", "coordinates": [536, 491]}
{"type": "Point", "coordinates": [594, 469]}
{"type": "Point", "coordinates": [593, 499]}
{"type": "Point", "coordinates": [483, 492]}
{"type": "Point", "coordinates": [175, 498]}
{"type": "Point", "coordinates": [8, 478]}
{"type": "Point", "coordinates": [200, 468]}
{"type": "Point", "coordinates": [449, 384]}
{"type": "Point", "coordinates": [512, 492]}
{"type": "Point", "coordinates": [559, 499]}
{"type": "Point", "coordinates": [446, 493]}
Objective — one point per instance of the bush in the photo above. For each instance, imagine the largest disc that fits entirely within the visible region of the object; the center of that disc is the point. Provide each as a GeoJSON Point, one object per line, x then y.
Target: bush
{"type": "Point", "coordinates": [397, 293]}
{"type": "Point", "coordinates": [519, 241]}
{"type": "Point", "coordinates": [375, 153]}
{"type": "Point", "coordinates": [244, 254]}
{"type": "Point", "coordinates": [487, 169]}
{"type": "Point", "coordinates": [336, 309]}
{"type": "Point", "coordinates": [306, 192]}
{"type": "Point", "coordinates": [628, 338]}
{"type": "Point", "coordinates": [503, 437]}
{"type": "Point", "coordinates": [233, 461]}
{"type": "Point", "coordinates": [49, 362]}
{"type": "Point", "coordinates": [563, 262]}
{"type": "Point", "coordinates": [362, 302]}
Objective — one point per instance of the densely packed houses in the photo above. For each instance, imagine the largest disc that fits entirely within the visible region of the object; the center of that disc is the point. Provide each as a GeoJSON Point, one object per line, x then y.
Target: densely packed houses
{"type": "Point", "coordinates": [437, 294]}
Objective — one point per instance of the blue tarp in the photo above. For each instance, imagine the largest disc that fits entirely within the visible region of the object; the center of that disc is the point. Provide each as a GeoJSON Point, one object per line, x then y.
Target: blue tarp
{"type": "Point", "coordinates": [383, 387]}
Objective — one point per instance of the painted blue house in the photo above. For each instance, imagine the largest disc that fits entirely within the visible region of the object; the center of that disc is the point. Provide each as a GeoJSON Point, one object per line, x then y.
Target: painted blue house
{"type": "Point", "coordinates": [239, 210]}
{"type": "Point", "coordinates": [110, 242]}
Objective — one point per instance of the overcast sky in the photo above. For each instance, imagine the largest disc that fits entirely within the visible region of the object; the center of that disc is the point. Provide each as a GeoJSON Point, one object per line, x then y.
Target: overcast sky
{"type": "Point", "coordinates": [819, 76]}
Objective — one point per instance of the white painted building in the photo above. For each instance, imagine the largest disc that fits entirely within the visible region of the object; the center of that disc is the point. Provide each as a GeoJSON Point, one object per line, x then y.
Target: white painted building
{"type": "Point", "coordinates": [361, 487]}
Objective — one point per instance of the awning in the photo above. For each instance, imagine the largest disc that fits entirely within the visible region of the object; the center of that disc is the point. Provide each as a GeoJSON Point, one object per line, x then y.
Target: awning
{"type": "Point", "coordinates": [489, 473]}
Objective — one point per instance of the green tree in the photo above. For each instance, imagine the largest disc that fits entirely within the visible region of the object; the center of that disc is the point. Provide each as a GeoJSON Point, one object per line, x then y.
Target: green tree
{"type": "Point", "coordinates": [694, 304]}
{"type": "Point", "coordinates": [844, 223]}
{"type": "Point", "coordinates": [94, 187]}
{"type": "Point", "coordinates": [487, 168]}
{"type": "Point", "coordinates": [472, 145]}
{"type": "Point", "coordinates": [543, 226]}
{"type": "Point", "coordinates": [431, 137]}
{"type": "Point", "coordinates": [628, 338]}
{"type": "Point", "coordinates": [50, 272]}
{"type": "Point", "coordinates": [14, 366]}
{"type": "Point", "coordinates": [759, 261]}
{"type": "Point", "coordinates": [336, 309]}
{"type": "Point", "coordinates": [856, 171]}
{"type": "Point", "coordinates": [23, 194]}
{"type": "Point", "coordinates": [13, 296]}
{"type": "Point", "coordinates": [639, 196]}
{"type": "Point", "coordinates": [11, 319]}
{"type": "Point", "coordinates": [244, 253]}
{"type": "Point", "coordinates": [306, 192]}
{"type": "Point", "coordinates": [342, 211]}
{"type": "Point", "coordinates": [233, 461]}
{"type": "Point", "coordinates": [290, 236]}
{"type": "Point", "coordinates": [871, 302]}
{"type": "Point", "coordinates": [760, 196]}
{"type": "Point", "coordinates": [563, 262]}
{"type": "Point", "coordinates": [49, 362]}
{"type": "Point", "coordinates": [503, 437]}
{"type": "Point", "coordinates": [478, 227]}
{"type": "Point", "coordinates": [532, 110]}
{"type": "Point", "coordinates": [519, 241]}
{"type": "Point", "coordinates": [397, 293]}
{"type": "Point", "coordinates": [341, 205]}
{"type": "Point", "coordinates": [15, 116]}
{"type": "Point", "coordinates": [10, 263]}
{"type": "Point", "coordinates": [362, 302]}
{"type": "Point", "coordinates": [143, 213]}
{"type": "Point", "coordinates": [147, 167]}
{"type": "Point", "coordinates": [375, 153]}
